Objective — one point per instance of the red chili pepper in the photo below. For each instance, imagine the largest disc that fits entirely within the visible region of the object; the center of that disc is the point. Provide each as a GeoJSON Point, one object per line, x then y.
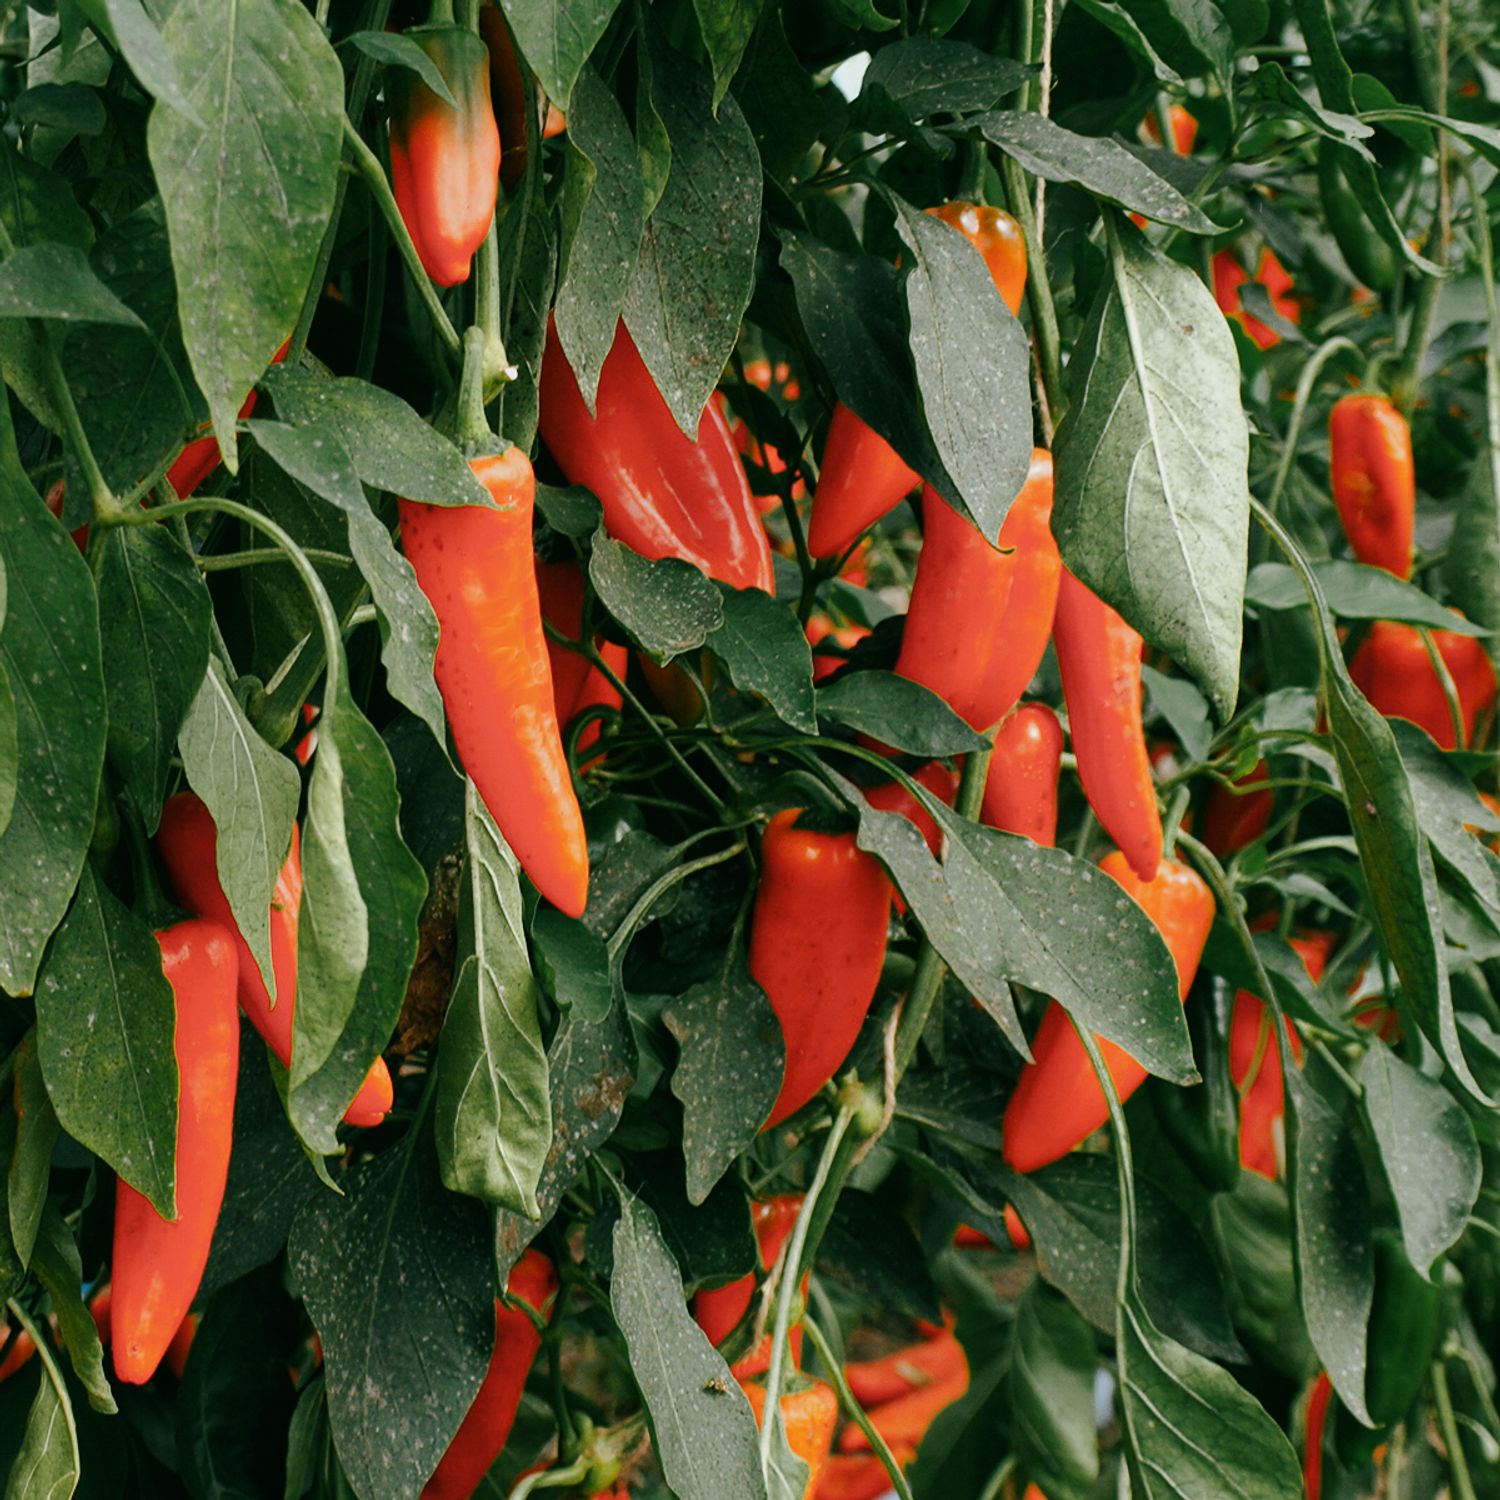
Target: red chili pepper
{"type": "Point", "coordinates": [1235, 819]}
{"type": "Point", "coordinates": [980, 615]}
{"type": "Point", "coordinates": [1020, 792]}
{"type": "Point", "coordinates": [201, 456]}
{"type": "Point", "coordinates": [1058, 1103]}
{"type": "Point", "coordinates": [808, 1416]}
{"type": "Point", "coordinates": [482, 1434]}
{"type": "Point", "coordinates": [1374, 480]}
{"type": "Point", "coordinates": [512, 94]}
{"type": "Point", "coordinates": [874, 1382]}
{"type": "Point", "coordinates": [1184, 129]}
{"type": "Point", "coordinates": [903, 1422]}
{"type": "Point", "coordinates": [663, 494]}
{"type": "Point", "coordinates": [1315, 1419]}
{"type": "Point", "coordinates": [576, 683]}
{"type": "Point", "coordinates": [998, 238]}
{"type": "Point", "coordinates": [20, 1351]}
{"type": "Point", "coordinates": [817, 946]}
{"type": "Point", "coordinates": [892, 796]}
{"type": "Point", "coordinates": [859, 1476]}
{"type": "Point", "coordinates": [861, 478]}
{"type": "Point", "coordinates": [157, 1264]}
{"type": "Point", "coordinates": [719, 1310]}
{"type": "Point", "coordinates": [1229, 276]}
{"type": "Point", "coordinates": [1392, 669]}
{"type": "Point", "coordinates": [819, 629]}
{"type": "Point", "coordinates": [188, 843]}
{"type": "Point", "coordinates": [475, 565]}
{"type": "Point", "coordinates": [1277, 281]}
{"type": "Point", "coordinates": [445, 161]}
{"type": "Point", "coordinates": [1099, 656]}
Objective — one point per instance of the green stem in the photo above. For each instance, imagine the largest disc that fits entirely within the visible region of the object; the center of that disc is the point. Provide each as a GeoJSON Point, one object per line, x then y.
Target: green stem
{"type": "Point", "coordinates": [1458, 1465]}
{"type": "Point", "coordinates": [374, 309]}
{"type": "Point", "coordinates": [498, 370]}
{"type": "Point", "coordinates": [221, 562]}
{"type": "Point", "coordinates": [1310, 372]}
{"type": "Point", "coordinates": [1038, 294]}
{"type": "Point", "coordinates": [474, 433]}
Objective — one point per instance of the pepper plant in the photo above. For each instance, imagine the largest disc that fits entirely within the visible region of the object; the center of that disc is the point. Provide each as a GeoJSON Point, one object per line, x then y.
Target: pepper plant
{"type": "Point", "coordinates": [789, 790]}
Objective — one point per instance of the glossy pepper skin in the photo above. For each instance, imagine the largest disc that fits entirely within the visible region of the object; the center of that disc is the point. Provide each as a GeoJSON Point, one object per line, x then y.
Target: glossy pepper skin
{"type": "Point", "coordinates": [663, 494]}
{"type": "Point", "coordinates": [817, 946]}
{"type": "Point", "coordinates": [201, 456]}
{"type": "Point", "coordinates": [998, 238]}
{"type": "Point", "coordinates": [891, 796]}
{"type": "Point", "coordinates": [475, 565]}
{"type": "Point", "coordinates": [719, 1310]}
{"type": "Point", "coordinates": [1020, 792]}
{"type": "Point", "coordinates": [445, 162]}
{"type": "Point", "coordinates": [820, 629]}
{"type": "Point", "coordinates": [20, 1351]}
{"type": "Point", "coordinates": [808, 1416]}
{"type": "Point", "coordinates": [576, 683]}
{"type": "Point", "coordinates": [980, 615]}
{"type": "Point", "coordinates": [1374, 481]}
{"type": "Point", "coordinates": [1234, 819]}
{"type": "Point", "coordinates": [188, 843]}
{"type": "Point", "coordinates": [1315, 1420]}
{"type": "Point", "coordinates": [1184, 129]}
{"type": "Point", "coordinates": [859, 1476]}
{"type": "Point", "coordinates": [1392, 669]}
{"type": "Point", "coordinates": [1058, 1103]}
{"type": "Point", "coordinates": [482, 1434]}
{"type": "Point", "coordinates": [1099, 656]}
{"type": "Point", "coordinates": [157, 1264]}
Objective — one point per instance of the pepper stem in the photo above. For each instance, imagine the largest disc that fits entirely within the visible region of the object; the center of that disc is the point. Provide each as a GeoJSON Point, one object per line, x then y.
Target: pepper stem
{"type": "Point", "coordinates": [474, 432]}
{"type": "Point", "coordinates": [441, 13]}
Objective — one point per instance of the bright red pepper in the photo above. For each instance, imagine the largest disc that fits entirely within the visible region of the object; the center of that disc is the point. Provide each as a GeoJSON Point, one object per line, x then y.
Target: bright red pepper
{"type": "Point", "coordinates": [664, 495]}
{"type": "Point", "coordinates": [892, 796]}
{"type": "Point", "coordinates": [980, 615]}
{"type": "Point", "coordinates": [1099, 657]}
{"type": "Point", "coordinates": [1374, 480]}
{"type": "Point", "coordinates": [188, 843]}
{"type": "Point", "coordinates": [904, 1420]}
{"type": "Point", "coordinates": [1058, 1103]}
{"type": "Point", "coordinates": [445, 161]}
{"type": "Point", "coordinates": [576, 683]}
{"type": "Point", "coordinates": [1232, 819]}
{"type": "Point", "coordinates": [820, 628]}
{"type": "Point", "coordinates": [482, 1434]}
{"type": "Point", "coordinates": [808, 1416]}
{"type": "Point", "coordinates": [1184, 129]}
{"type": "Point", "coordinates": [873, 1382]}
{"type": "Point", "coordinates": [1392, 669]}
{"type": "Point", "coordinates": [1020, 792]}
{"type": "Point", "coordinates": [719, 1310]}
{"type": "Point", "coordinates": [862, 1476]}
{"type": "Point", "coordinates": [1315, 1419]}
{"type": "Point", "coordinates": [20, 1351]}
{"type": "Point", "coordinates": [475, 565]}
{"type": "Point", "coordinates": [817, 946]}
{"type": "Point", "coordinates": [201, 456]}
{"type": "Point", "coordinates": [157, 1264]}
{"type": "Point", "coordinates": [1229, 276]}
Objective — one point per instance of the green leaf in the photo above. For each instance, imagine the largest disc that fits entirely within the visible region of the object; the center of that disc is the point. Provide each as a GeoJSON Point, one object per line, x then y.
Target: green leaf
{"type": "Point", "coordinates": [1193, 35]}
{"type": "Point", "coordinates": [252, 794]}
{"type": "Point", "coordinates": [59, 1267]}
{"type": "Point", "coordinates": [880, 1261]}
{"type": "Point", "coordinates": [362, 894]}
{"type": "Point", "coordinates": [528, 243]}
{"type": "Point", "coordinates": [155, 652]}
{"type": "Point", "coordinates": [47, 1465]}
{"type": "Point", "coordinates": [1153, 500]}
{"type": "Point", "coordinates": [899, 712]}
{"type": "Point", "coordinates": [49, 653]}
{"type": "Point", "coordinates": [731, 1058]}
{"type": "Point", "coordinates": [696, 267]}
{"type": "Point", "coordinates": [57, 282]}
{"type": "Point", "coordinates": [397, 51]}
{"type": "Point", "coordinates": [105, 1019]}
{"type": "Point", "coordinates": [402, 1364]}
{"type": "Point", "coordinates": [1053, 1360]}
{"type": "Point", "coordinates": [702, 1427]}
{"type": "Point", "coordinates": [785, 109]}
{"type": "Point", "coordinates": [1428, 1151]}
{"type": "Point", "coordinates": [1335, 1265]}
{"type": "Point", "coordinates": [767, 654]}
{"type": "Point", "coordinates": [1471, 568]}
{"type": "Point", "coordinates": [1183, 707]}
{"type": "Point", "coordinates": [924, 76]}
{"type": "Point", "coordinates": [601, 229]}
{"type": "Point", "coordinates": [9, 750]}
{"type": "Point", "coordinates": [573, 963]}
{"type": "Point", "coordinates": [493, 1119]}
{"type": "Point", "coordinates": [973, 369]}
{"type": "Point", "coordinates": [249, 198]}
{"type": "Point", "coordinates": [1119, 19]}
{"type": "Point", "coordinates": [140, 43]}
{"type": "Point", "coordinates": [1355, 592]}
{"type": "Point", "coordinates": [557, 37]}
{"type": "Point", "coordinates": [668, 607]}
{"type": "Point", "coordinates": [1100, 165]}
{"type": "Point", "coordinates": [726, 27]}
{"type": "Point", "coordinates": [30, 1169]}
{"type": "Point", "coordinates": [1270, 85]}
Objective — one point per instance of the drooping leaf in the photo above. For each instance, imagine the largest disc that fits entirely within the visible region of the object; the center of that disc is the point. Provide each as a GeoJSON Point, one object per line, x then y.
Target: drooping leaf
{"type": "Point", "coordinates": [1052, 1380]}
{"type": "Point", "coordinates": [557, 37]}
{"type": "Point", "coordinates": [668, 606]}
{"type": "Point", "coordinates": [767, 654]}
{"type": "Point", "coordinates": [56, 282]}
{"type": "Point", "coordinates": [59, 1267]}
{"type": "Point", "coordinates": [47, 1465]}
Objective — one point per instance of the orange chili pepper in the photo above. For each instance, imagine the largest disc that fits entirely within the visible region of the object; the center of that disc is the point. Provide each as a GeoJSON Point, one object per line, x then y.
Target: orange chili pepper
{"type": "Point", "coordinates": [1374, 480]}
{"type": "Point", "coordinates": [874, 1382]}
{"type": "Point", "coordinates": [808, 1415]}
{"type": "Point", "coordinates": [1020, 792]}
{"type": "Point", "coordinates": [1392, 669]}
{"type": "Point", "coordinates": [905, 1419]}
{"type": "Point", "coordinates": [1233, 820]}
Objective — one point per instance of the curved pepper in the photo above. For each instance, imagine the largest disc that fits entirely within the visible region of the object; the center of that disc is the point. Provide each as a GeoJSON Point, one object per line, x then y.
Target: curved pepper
{"type": "Point", "coordinates": [808, 1416]}
{"type": "Point", "coordinates": [892, 796]}
{"type": "Point", "coordinates": [475, 565]}
{"type": "Point", "coordinates": [873, 1382]}
{"type": "Point", "coordinates": [1020, 792]}
{"type": "Point", "coordinates": [664, 495]}
{"type": "Point", "coordinates": [1229, 276]}
{"type": "Point", "coordinates": [445, 162]}
{"type": "Point", "coordinates": [980, 615]}
{"type": "Point", "coordinates": [1405, 1320]}
{"type": "Point", "coordinates": [188, 843]}
{"type": "Point", "coordinates": [482, 1434]}
{"type": "Point", "coordinates": [1392, 669]}
{"type": "Point", "coordinates": [157, 1264]}
{"type": "Point", "coordinates": [1058, 1103]}
{"type": "Point", "coordinates": [20, 1351]}
{"type": "Point", "coordinates": [1236, 816]}
{"type": "Point", "coordinates": [904, 1420]}
{"type": "Point", "coordinates": [719, 1310]}
{"type": "Point", "coordinates": [1099, 657]}
{"type": "Point", "coordinates": [1374, 481]}
{"type": "Point", "coordinates": [1315, 1419]}
{"type": "Point", "coordinates": [576, 683]}
{"type": "Point", "coordinates": [1184, 129]}
{"type": "Point", "coordinates": [817, 946]}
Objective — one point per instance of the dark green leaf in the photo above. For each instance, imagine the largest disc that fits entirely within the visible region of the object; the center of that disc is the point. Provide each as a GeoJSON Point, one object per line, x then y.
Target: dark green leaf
{"type": "Point", "coordinates": [9, 750]}
{"type": "Point", "coordinates": [1471, 569]}
{"type": "Point", "coordinates": [923, 76]}
{"type": "Point", "coordinates": [140, 43]}
{"type": "Point", "coordinates": [726, 27]}
{"type": "Point", "coordinates": [767, 654]}
{"type": "Point", "coordinates": [57, 282]}
{"type": "Point", "coordinates": [1052, 1383]}
{"type": "Point", "coordinates": [1271, 86]}
{"type": "Point", "coordinates": [873, 1253]}
{"type": "Point", "coordinates": [71, 107]}
{"type": "Point", "coordinates": [59, 1267]}
{"type": "Point", "coordinates": [397, 51]}
{"type": "Point", "coordinates": [528, 242]}
{"type": "Point", "coordinates": [1183, 707]}
{"type": "Point", "coordinates": [47, 1465]}
{"type": "Point", "coordinates": [1355, 592]}
{"type": "Point", "coordinates": [899, 712]}
{"type": "Point", "coordinates": [784, 108]}
{"type": "Point", "coordinates": [30, 1168]}
{"type": "Point", "coordinates": [573, 963]}
{"type": "Point", "coordinates": [668, 606]}
{"type": "Point", "coordinates": [571, 511]}
{"type": "Point", "coordinates": [557, 37]}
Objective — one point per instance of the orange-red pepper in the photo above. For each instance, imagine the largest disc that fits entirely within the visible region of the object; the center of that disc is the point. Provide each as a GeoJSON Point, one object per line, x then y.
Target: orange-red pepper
{"type": "Point", "coordinates": [1058, 1103]}
{"type": "Point", "coordinates": [1374, 480]}
{"type": "Point", "coordinates": [1233, 819]}
{"type": "Point", "coordinates": [903, 1421]}
{"type": "Point", "coordinates": [998, 238]}
{"type": "Point", "coordinates": [1184, 129]}
{"type": "Point", "coordinates": [201, 456]}
{"type": "Point", "coordinates": [1392, 669]}
{"type": "Point", "coordinates": [475, 565]}
{"type": "Point", "coordinates": [874, 1382]}
{"type": "Point", "coordinates": [1020, 792]}
{"type": "Point", "coordinates": [980, 615]}
{"type": "Point", "coordinates": [892, 796]}
{"type": "Point", "coordinates": [188, 843]}
{"type": "Point", "coordinates": [157, 1263]}
{"type": "Point", "coordinates": [1229, 276]}
{"type": "Point", "coordinates": [20, 1351]}
{"type": "Point", "coordinates": [859, 1476]}
{"type": "Point", "coordinates": [819, 629]}
{"type": "Point", "coordinates": [1099, 657]}
{"type": "Point", "coordinates": [1315, 1419]}
{"type": "Point", "coordinates": [576, 683]}
{"type": "Point", "coordinates": [808, 1416]}
{"type": "Point", "coordinates": [817, 946]}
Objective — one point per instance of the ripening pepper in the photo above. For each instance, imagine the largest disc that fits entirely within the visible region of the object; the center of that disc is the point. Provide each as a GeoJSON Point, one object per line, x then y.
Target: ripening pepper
{"type": "Point", "coordinates": [1099, 657]}
{"type": "Point", "coordinates": [201, 456]}
{"type": "Point", "coordinates": [859, 1476]}
{"type": "Point", "coordinates": [817, 946]}
{"type": "Point", "coordinates": [1020, 792]}
{"type": "Point", "coordinates": [20, 1351]}
{"type": "Point", "coordinates": [1392, 669]}
{"type": "Point", "coordinates": [1184, 129]}
{"type": "Point", "coordinates": [664, 494]}
{"type": "Point", "coordinates": [1236, 816]}
{"type": "Point", "coordinates": [157, 1263]}
{"type": "Point", "coordinates": [809, 1414]}
{"type": "Point", "coordinates": [483, 1431]}
{"type": "Point", "coordinates": [475, 565]}
{"type": "Point", "coordinates": [719, 1310]}
{"type": "Point", "coordinates": [892, 796]}
{"type": "Point", "coordinates": [188, 843]}
{"type": "Point", "coordinates": [998, 238]}
{"type": "Point", "coordinates": [874, 1382]}
{"type": "Point", "coordinates": [1374, 481]}
{"type": "Point", "coordinates": [980, 614]}
{"type": "Point", "coordinates": [576, 683]}
{"type": "Point", "coordinates": [1058, 1103]}
{"type": "Point", "coordinates": [445, 161]}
